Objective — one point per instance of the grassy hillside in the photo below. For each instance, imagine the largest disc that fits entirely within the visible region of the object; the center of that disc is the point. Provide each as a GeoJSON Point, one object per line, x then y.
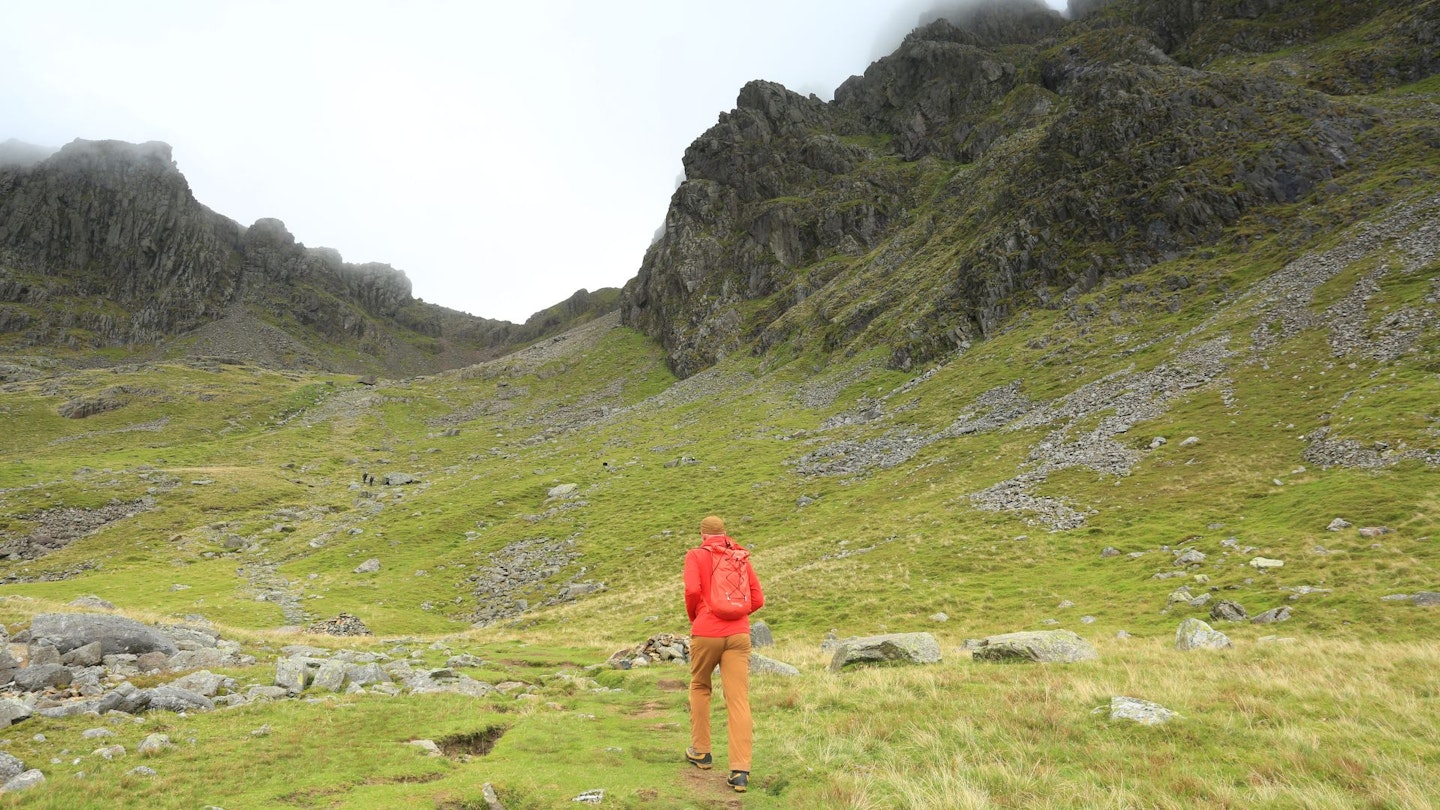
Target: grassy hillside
{"type": "Point", "coordinates": [984, 488]}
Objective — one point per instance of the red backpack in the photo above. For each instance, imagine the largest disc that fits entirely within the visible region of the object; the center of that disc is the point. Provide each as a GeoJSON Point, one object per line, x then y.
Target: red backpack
{"type": "Point", "coordinates": [729, 596]}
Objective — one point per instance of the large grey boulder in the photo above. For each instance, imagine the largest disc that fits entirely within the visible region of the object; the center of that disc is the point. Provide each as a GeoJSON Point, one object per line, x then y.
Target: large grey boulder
{"type": "Point", "coordinates": [761, 665]}
{"type": "Point", "coordinates": [760, 635]}
{"type": "Point", "coordinates": [331, 676]}
{"type": "Point", "coordinates": [175, 699]}
{"type": "Point", "coordinates": [1193, 634]}
{"type": "Point", "coordinates": [891, 648]}
{"type": "Point", "coordinates": [1043, 646]}
{"type": "Point", "coordinates": [116, 634]}
{"type": "Point", "coordinates": [1228, 611]}
{"type": "Point", "coordinates": [126, 697]}
{"type": "Point", "coordinates": [204, 682]}
{"type": "Point", "coordinates": [292, 674]}
{"type": "Point", "coordinates": [44, 676]}
{"type": "Point", "coordinates": [13, 711]}
{"type": "Point", "coordinates": [10, 766]}
{"type": "Point", "coordinates": [24, 781]}
{"type": "Point", "coordinates": [88, 655]}
{"type": "Point", "coordinates": [366, 674]}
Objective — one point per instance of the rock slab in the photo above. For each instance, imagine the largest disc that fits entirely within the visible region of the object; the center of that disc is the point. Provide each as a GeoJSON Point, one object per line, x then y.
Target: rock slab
{"type": "Point", "coordinates": [1042, 646]}
{"type": "Point", "coordinates": [891, 648]}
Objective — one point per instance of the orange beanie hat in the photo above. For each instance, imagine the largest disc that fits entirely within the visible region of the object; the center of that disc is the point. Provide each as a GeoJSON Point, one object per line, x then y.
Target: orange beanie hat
{"type": "Point", "coordinates": [712, 525]}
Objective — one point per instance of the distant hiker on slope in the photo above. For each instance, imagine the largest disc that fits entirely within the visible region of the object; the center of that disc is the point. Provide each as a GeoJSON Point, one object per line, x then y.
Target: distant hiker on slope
{"type": "Point", "coordinates": [721, 591]}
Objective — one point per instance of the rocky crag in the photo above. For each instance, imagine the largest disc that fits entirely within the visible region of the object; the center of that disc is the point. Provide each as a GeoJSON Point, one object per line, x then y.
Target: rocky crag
{"type": "Point", "coordinates": [1007, 157]}
{"type": "Point", "coordinates": [103, 245]}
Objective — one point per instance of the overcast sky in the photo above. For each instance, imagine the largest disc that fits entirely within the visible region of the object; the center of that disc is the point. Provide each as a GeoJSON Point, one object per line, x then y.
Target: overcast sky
{"type": "Point", "coordinates": [503, 156]}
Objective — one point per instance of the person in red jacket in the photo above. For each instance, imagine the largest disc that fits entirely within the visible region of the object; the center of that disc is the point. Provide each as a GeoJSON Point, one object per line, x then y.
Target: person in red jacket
{"type": "Point", "coordinates": [726, 643]}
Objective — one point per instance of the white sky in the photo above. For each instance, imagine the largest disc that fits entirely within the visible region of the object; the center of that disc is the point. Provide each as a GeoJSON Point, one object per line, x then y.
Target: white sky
{"type": "Point", "coordinates": [503, 156]}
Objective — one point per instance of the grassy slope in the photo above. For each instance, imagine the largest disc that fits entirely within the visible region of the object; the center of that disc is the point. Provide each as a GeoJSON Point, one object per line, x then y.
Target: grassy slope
{"type": "Point", "coordinates": [1340, 718]}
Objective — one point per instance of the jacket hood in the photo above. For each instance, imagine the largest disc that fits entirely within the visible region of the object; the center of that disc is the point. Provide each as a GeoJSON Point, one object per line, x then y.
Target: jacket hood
{"type": "Point", "coordinates": [717, 541]}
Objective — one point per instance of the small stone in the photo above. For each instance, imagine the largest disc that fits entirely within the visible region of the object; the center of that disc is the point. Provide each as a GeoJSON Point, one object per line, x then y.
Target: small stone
{"type": "Point", "coordinates": [1109, 551]}
{"type": "Point", "coordinates": [1190, 557]}
{"type": "Point", "coordinates": [1157, 442]}
{"type": "Point", "coordinates": [1265, 563]}
{"type": "Point", "coordinates": [1190, 441]}
{"type": "Point", "coordinates": [154, 744]}
{"type": "Point", "coordinates": [1337, 524]}
{"type": "Point", "coordinates": [142, 770]}
{"type": "Point", "coordinates": [939, 617]}
{"type": "Point", "coordinates": [428, 746]}
{"type": "Point", "coordinates": [370, 566]}
{"type": "Point", "coordinates": [1374, 531]}
{"type": "Point", "coordinates": [1273, 615]}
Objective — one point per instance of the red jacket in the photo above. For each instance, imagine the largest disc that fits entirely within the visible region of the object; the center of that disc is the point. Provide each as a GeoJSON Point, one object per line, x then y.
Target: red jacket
{"type": "Point", "coordinates": [697, 584]}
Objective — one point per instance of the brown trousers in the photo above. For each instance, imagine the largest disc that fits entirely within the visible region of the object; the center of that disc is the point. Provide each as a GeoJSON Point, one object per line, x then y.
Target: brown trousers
{"type": "Point", "coordinates": [732, 655]}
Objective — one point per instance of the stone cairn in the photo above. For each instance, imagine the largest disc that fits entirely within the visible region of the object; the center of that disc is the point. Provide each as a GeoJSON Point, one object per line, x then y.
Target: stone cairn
{"type": "Point", "coordinates": [657, 648]}
{"type": "Point", "coordinates": [345, 624]}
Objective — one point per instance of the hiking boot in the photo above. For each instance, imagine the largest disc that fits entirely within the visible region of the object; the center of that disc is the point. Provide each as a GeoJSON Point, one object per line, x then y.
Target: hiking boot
{"type": "Point", "coordinates": [739, 780]}
{"type": "Point", "coordinates": [701, 761]}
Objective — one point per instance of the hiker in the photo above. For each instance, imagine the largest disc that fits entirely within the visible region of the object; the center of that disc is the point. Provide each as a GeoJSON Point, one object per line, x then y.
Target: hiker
{"type": "Point", "coordinates": [720, 635]}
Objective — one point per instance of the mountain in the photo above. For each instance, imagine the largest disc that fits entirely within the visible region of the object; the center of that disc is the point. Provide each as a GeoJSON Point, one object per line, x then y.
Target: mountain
{"type": "Point", "coordinates": [1006, 160]}
{"type": "Point", "coordinates": [103, 247]}
{"type": "Point", "coordinates": [1144, 350]}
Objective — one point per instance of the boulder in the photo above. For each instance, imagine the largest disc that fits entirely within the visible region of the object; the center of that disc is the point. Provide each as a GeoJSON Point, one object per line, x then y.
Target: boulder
{"type": "Point", "coordinates": [891, 648]}
{"type": "Point", "coordinates": [330, 677]}
{"type": "Point", "coordinates": [126, 697]}
{"type": "Point", "coordinates": [152, 662]}
{"type": "Point", "coordinates": [761, 665]}
{"type": "Point", "coordinates": [370, 566]}
{"type": "Point", "coordinates": [10, 766]}
{"type": "Point", "coordinates": [1141, 711]}
{"type": "Point", "coordinates": [204, 682]}
{"type": "Point", "coordinates": [1194, 634]}
{"type": "Point", "coordinates": [1338, 524]}
{"type": "Point", "coordinates": [116, 634]}
{"type": "Point", "coordinates": [13, 711]}
{"type": "Point", "coordinates": [1044, 646]}
{"type": "Point", "coordinates": [86, 656]}
{"type": "Point", "coordinates": [23, 781]}
{"type": "Point", "coordinates": [366, 674]}
{"type": "Point", "coordinates": [1273, 615]}
{"type": "Point", "coordinates": [38, 655]}
{"type": "Point", "coordinates": [760, 635]}
{"type": "Point", "coordinates": [1425, 599]}
{"type": "Point", "coordinates": [1228, 611]}
{"type": "Point", "coordinates": [175, 699]}
{"type": "Point", "coordinates": [1190, 557]}
{"type": "Point", "coordinates": [396, 479]}
{"type": "Point", "coordinates": [155, 743]}
{"type": "Point", "coordinates": [292, 674]}
{"type": "Point", "coordinates": [43, 676]}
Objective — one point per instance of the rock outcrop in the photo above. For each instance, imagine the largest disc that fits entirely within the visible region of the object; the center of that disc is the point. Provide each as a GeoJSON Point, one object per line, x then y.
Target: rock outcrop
{"type": "Point", "coordinates": [103, 245]}
{"type": "Point", "coordinates": [998, 160]}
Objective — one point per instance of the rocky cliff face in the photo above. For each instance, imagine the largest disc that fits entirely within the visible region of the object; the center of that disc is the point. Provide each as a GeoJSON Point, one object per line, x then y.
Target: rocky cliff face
{"type": "Point", "coordinates": [103, 244]}
{"type": "Point", "coordinates": [1006, 157]}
